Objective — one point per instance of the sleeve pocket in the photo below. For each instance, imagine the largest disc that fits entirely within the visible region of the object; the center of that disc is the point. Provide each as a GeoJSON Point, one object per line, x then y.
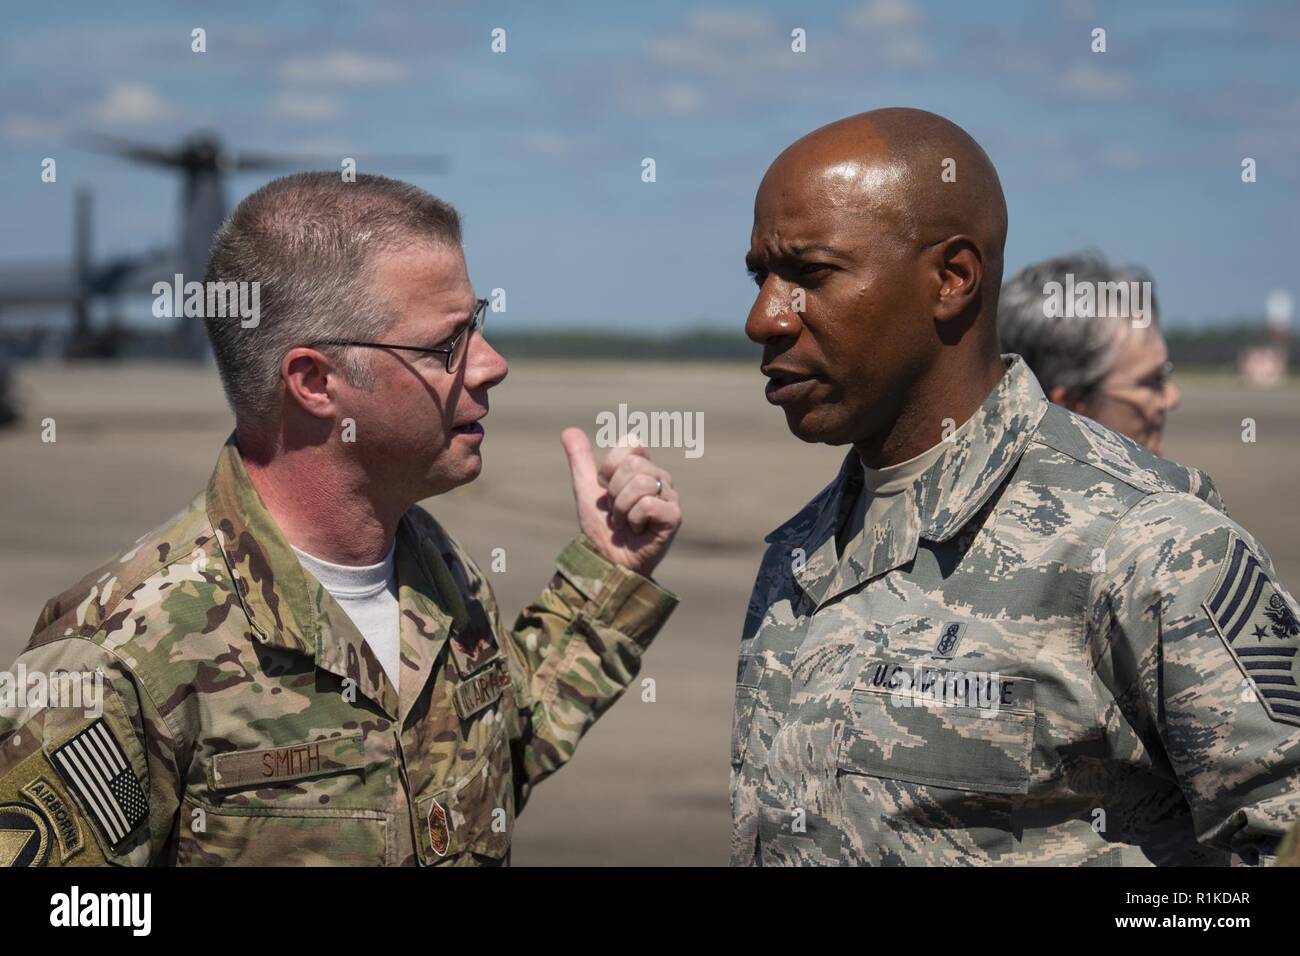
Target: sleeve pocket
{"type": "Point", "coordinates": [749, 673]}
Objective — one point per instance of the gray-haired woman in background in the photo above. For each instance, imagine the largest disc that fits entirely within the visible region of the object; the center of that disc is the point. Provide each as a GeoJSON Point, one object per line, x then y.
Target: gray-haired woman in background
{"type": "Point", "coordinates": [1089, 332]}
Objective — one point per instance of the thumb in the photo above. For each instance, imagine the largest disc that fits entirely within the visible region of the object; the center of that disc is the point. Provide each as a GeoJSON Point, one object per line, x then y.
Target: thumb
{"type": "Point", "coordinates": [582, 467]}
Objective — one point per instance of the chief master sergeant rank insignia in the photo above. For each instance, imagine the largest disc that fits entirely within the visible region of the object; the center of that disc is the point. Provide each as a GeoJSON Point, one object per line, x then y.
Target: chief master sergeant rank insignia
{"type": "Point", "coordinates": [1260, 631]}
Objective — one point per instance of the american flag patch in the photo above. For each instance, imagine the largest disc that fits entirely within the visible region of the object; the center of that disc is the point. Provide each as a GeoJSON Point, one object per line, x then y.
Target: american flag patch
{"type": "Point", "coordinates": [95, 766]}
{"type": "Point", "coordinates": [1261, 631]}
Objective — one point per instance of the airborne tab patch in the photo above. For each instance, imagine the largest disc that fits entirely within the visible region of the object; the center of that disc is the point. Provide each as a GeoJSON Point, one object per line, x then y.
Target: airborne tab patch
{"type": "Point", "coordinates": [1260, 631]}
{"type": "Point", "coordinates": [65, 826]}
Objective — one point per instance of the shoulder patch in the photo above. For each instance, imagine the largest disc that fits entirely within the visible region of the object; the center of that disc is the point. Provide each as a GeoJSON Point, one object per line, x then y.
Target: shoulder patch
{"type": "Point", "coordinates": [24, 835]}
{"type": "Point", "coordinates": [95, 767]}
{"type": "Point", "coordinates": [1260, 630]}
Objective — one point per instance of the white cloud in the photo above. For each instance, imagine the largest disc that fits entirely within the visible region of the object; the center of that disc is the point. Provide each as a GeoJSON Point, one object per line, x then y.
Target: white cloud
{"type": "Point", "coordinates": [885, 16]}
{"type": "Point", "coordinates": [680, 98]}
{"type": "Point", "coordinates": [107, 49]}
{"type": "Point", "coordinates": [677, 99]}
{"type": "Point", "coordinates": [300, 105]}
{"type": "Point", "coordinates": [906, 51]}
{"type": "Point", "coordinates": [132, 104]}
{"type": "Point", "coordinates": [1093, 82]}
{"type": "Point", "coordinates": [719, 42]}
{"type": "Point", "coordinates": [550, 145]}
{"type": "Point", "coordinates": [342, 68]}
{"type": "Point", "coordinates": [322, 149]}
{"type": "Point", "coordinates": [893, 26]}
{"type": "Point", "coordinates": [1123, 156]}
{"type": "Point", "coordinates": [24, 129]}
{"type": "Point", "coordinates": [1080, 9]}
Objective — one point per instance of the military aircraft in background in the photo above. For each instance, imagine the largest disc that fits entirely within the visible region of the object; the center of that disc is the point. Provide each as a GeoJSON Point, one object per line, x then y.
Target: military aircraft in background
{"type": "Point", "coordinates": [203, 163]}
{"type": "Point", "coordinates": [84, 281]}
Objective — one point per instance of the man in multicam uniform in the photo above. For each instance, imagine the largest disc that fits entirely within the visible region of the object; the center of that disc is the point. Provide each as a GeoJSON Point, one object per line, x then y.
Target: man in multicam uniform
{"type": "Point", "coordinates": [245, 717]}
{"type": "Point", "coordinates": [1003, 634]}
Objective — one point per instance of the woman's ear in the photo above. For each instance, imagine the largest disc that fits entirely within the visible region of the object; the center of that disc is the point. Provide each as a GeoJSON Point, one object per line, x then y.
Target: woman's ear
{"type": "Point", "coordinates": [1060, 395]}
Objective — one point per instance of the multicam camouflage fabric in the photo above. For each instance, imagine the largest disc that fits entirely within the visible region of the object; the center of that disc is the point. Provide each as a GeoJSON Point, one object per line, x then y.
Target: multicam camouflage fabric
{"type": "Point", "coordinates": [1055, 648]}
{"type": "Point", "coordinates": [1288, 854]}
{"type": "Point", "coordinates": [264, 731]}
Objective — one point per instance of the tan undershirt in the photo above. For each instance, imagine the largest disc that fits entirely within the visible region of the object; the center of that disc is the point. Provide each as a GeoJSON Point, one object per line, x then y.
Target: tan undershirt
{"type": "Point", "coordinates": [879, 485]}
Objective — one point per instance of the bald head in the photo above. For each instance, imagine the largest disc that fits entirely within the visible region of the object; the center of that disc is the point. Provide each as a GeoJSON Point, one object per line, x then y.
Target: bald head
{"type": "Point", "coordinates": [877, 248]}
{"type": "Point", "coordinates": [915, 169]}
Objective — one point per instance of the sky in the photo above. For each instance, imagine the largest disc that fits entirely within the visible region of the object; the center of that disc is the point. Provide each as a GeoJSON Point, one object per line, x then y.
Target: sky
{"type": "Point", "coordinates": [1136, 151]}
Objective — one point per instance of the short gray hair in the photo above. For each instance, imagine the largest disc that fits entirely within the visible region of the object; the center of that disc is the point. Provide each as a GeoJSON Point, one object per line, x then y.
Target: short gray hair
{"type": "Point", "coordinates": [1076, 353]}
{"type": "Point", "coordinates": [308, 241]}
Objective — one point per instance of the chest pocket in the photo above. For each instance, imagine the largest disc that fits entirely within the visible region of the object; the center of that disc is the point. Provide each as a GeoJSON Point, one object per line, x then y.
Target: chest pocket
{"type": "Point", "coordinates": [940, 728]}
{"type": "Point", "coordinates": [473, 815]}
{"type": "Point", "coordinates": [749, 673]}
{"type": "Point", "coordinates": [298, 805]}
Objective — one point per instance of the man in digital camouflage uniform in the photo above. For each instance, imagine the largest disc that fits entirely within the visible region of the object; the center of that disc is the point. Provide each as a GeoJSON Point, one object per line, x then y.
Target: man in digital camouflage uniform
{"type": "Point", "coordinates": [246, 717]}
{"type": "Point", "coordinates": [1003, 634]}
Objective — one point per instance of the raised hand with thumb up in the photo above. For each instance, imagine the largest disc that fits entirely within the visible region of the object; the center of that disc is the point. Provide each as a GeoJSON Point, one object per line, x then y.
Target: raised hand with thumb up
{"type": "Point", "coordinates": [628, 507]}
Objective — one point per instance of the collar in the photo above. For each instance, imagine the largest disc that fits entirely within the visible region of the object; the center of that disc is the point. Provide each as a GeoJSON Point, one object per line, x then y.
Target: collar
{"type": "Point", "coordinates": [939, 503]}
{"type": "Point", "coordinates": [289, 609]}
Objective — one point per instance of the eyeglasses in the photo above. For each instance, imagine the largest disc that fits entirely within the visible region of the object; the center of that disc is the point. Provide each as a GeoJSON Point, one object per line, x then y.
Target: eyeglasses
{"type": "Point", "coordinates": [454, 352]}
{"type": "Point", "coordinates": [1157, 382]}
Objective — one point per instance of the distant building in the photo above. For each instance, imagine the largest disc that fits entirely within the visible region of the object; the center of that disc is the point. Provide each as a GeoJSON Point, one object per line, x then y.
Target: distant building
{"type": "Point", "coordinates": [1265, 366]}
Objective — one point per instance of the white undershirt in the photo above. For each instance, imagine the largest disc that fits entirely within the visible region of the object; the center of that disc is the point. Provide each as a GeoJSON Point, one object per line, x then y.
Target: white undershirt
{"type": "Point", "coordinates": [368, 595]}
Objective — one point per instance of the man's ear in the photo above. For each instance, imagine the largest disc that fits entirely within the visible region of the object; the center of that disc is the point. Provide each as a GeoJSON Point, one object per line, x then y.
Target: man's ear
{"type": "Point", "coordinates": [309, 380]}
{"type": "Point", "coordinates": [960, 273]}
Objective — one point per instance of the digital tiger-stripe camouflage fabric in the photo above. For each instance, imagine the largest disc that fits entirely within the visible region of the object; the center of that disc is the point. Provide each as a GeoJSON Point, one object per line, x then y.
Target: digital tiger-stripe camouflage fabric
{"type": "Point", "coordinates": [1054, 648]}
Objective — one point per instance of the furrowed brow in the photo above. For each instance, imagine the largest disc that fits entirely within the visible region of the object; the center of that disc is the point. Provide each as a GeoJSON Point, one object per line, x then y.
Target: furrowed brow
{"type": "Point", "coordinates": [802, 249]}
